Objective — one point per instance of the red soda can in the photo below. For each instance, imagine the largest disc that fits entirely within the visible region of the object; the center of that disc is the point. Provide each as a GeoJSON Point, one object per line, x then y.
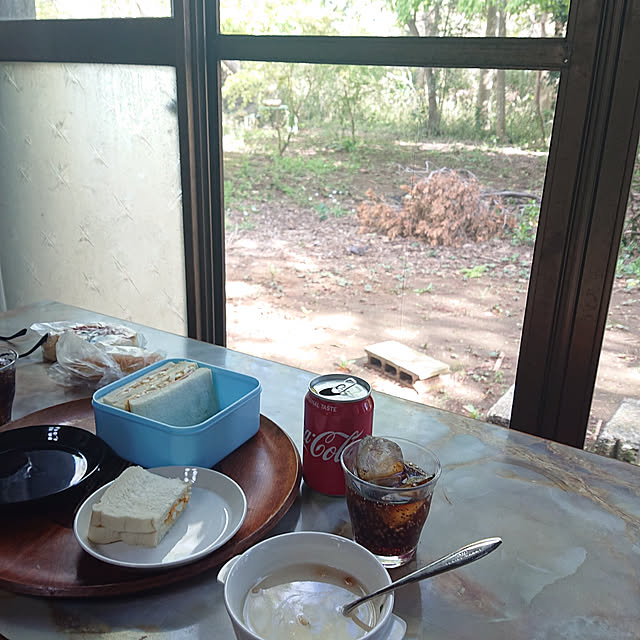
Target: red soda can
{"type": "Point", "coordinates": [338, 409]}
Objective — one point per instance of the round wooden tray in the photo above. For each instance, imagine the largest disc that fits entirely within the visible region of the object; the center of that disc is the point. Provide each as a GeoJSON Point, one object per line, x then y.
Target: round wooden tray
{"type": "Point", "coordinates": [39, 554]}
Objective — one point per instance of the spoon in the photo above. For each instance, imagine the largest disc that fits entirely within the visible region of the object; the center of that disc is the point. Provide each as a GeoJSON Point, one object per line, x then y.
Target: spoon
{"type": "Point", "coordinates": [462, 556]}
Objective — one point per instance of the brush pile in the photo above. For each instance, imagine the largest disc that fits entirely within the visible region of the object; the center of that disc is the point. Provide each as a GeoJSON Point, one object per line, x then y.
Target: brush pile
{"type": "Point", "coordinates": [447, 208]}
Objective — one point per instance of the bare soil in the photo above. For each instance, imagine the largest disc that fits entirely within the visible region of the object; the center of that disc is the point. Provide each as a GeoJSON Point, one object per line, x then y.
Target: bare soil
{"type": "Point", "coordinates": [311, 290]}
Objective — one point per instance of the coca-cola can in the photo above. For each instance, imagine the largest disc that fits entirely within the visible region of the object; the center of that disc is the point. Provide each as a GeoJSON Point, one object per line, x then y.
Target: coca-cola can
{"type": "Point", "coordinates": [338, 409]}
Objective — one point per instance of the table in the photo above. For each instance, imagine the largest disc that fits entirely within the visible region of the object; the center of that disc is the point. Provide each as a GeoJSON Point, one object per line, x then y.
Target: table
{"type": "Point", "coordinates": [570, 520]}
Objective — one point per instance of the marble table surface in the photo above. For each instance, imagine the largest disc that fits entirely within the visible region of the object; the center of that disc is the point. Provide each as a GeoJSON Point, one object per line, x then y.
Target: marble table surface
{"type": "Point", "coordinates": [569, 566]}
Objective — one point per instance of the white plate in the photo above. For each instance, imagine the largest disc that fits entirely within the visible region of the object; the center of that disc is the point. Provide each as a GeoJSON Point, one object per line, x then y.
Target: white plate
{"type": "Point", "coordinates": [215, 512]}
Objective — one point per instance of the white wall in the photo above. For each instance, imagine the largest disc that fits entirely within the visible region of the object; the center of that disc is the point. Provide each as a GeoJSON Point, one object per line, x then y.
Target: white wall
{"type": "Point", "coordinates": [90, 196]}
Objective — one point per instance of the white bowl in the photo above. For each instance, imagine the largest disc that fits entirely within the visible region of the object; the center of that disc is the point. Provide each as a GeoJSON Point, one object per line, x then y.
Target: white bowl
{"type": "Point", "coordinates": [242, 572]}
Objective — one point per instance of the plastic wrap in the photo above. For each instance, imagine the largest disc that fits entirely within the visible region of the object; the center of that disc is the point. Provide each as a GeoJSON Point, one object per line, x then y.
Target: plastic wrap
{"type": "Point", "coordinates": [93, 354]}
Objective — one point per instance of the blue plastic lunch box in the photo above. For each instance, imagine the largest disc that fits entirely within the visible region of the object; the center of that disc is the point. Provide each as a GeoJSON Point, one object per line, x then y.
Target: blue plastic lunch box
{"type": "Point", "coordinates": [150, 443]}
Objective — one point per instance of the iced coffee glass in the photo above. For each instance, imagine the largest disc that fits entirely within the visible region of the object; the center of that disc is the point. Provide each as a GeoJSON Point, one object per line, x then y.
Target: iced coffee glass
{"type": "Point", "coordinates": [8, 358]}
{"type": "Point", "coordinates": [388, 514]}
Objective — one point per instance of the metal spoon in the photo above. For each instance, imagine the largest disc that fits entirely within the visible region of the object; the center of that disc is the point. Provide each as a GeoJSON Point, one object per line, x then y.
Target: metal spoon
{"type": "Point", "coordinates": [462, 556]}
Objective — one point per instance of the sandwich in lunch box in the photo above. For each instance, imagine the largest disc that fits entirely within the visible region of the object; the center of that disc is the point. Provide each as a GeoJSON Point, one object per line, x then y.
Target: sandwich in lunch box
{"type": "Point", "coordinates": [177, 393]}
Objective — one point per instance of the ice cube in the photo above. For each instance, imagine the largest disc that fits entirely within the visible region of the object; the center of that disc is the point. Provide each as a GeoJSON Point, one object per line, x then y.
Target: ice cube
{"type": "Point", "coordinates": [380, 461]}
{"type": "Point", "coordinates": [415, 476]}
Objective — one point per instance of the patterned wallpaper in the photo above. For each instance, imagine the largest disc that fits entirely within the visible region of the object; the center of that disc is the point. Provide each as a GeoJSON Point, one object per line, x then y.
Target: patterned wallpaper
{"type": "Point", "coordinates": [90, 195]}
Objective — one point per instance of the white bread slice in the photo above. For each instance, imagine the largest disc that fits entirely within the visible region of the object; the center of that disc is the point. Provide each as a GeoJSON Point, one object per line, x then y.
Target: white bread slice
{"type": "Point", "coordinates": [185, 402]}
{"type": "Point", "coordinates": [139, 506]}
{"type": "Point", "coordinates": [157, 379]}
{"type": "Point", "coordinates": [103, 535]}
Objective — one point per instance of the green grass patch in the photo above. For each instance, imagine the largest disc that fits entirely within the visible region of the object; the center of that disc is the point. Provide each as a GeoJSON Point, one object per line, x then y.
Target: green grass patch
{"type": "Point", "coordinates": [476, 271]}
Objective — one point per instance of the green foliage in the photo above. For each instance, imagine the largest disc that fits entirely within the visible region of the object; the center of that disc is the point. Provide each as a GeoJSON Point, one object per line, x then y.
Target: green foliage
{"type": "Point", "coordinates": [526, 226]}
{"type": "Point", "coordinates": [268, 104]}
{"type": "Point", "coordinates": [406, 10]}
{"type": "Point", "coordinates": [628, 265]}
{"type": "Point", "coordinates": [473, 412]}
{"type": "Point", "coordinates": [55, 10]}
{"type": "Point", "coordinates": [557, 9]}
{"type": "Point", "coordinates": [427, 289]}
{"type": "Point", "coordinates": [238, 189]}
{"type": "Point", "coordinates": [476, 271]}
{"type": "Point", "coordinates": [299, 17]}
{"type": "Point", "coordinates": [334, 210]}
{"type": "Point", "coordinates": [348, 144]}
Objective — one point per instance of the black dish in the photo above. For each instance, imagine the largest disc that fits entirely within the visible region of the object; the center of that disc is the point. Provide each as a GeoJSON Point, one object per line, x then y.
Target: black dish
{"type": "Point", "coordinates": [46, 460]}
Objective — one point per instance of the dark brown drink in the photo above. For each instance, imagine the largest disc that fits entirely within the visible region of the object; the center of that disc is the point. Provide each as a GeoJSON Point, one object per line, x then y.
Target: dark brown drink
{"type": "Point", "coordinates": [7, 384]}
{"type": "Point", "coordinates": [389, 528]}
{"type": "Point", "coordinates": [389, 486]}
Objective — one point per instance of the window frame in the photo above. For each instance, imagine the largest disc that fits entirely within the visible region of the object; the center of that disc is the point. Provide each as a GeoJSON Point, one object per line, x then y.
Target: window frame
{"type": "Point", "coordinates": [591, 159]}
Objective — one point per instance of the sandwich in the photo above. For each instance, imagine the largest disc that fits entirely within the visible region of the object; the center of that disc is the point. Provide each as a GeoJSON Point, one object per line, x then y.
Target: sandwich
{"type": "Point", "coordinates": [177, 393]}
{"type": "Point", "coordinates": [138, 508]}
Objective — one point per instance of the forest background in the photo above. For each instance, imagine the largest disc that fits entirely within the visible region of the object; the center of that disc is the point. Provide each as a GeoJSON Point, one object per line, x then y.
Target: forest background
{"type": "Point", "coordinates": [434, 175]}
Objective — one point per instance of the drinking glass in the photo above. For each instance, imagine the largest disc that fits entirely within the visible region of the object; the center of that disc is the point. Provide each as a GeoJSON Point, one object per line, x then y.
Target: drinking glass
{"type": "Point", "coordinates": [8, 358]}
{"type": "Point", "coordinates": [386, 520]}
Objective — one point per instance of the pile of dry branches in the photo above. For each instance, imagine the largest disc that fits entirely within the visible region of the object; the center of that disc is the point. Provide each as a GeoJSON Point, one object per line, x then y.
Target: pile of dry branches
{"type": "Point", "coordinates": [447, 208]}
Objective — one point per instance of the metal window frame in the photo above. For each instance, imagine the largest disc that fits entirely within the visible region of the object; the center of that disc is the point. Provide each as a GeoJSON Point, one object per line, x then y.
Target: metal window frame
{"type": "Point", "coordinates": [591, 160]}
{"type": "Point", "coordinates": [146, 41]}
{"type": "Point", "coordinates": [586, 187]}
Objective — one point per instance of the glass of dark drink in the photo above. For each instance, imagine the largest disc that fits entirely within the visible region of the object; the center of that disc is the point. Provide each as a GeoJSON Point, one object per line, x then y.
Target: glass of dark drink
{"type": "Point", "coordinates": [389, 485]}
{"type": "Point", "coordinates": [8, 359]}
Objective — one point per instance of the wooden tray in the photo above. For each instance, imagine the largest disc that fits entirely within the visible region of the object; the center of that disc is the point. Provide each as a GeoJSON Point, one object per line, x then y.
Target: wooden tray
{"type": "Point", "coordinates": [39, 554]}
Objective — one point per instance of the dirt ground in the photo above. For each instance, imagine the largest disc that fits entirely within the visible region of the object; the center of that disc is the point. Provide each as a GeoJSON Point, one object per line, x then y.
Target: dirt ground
{"type": "Point", "coordinates": [313, 292]}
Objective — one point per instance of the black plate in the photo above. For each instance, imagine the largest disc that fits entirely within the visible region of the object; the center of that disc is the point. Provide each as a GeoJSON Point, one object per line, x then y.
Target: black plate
{"type": "Point", "coordinates": [45, 460]}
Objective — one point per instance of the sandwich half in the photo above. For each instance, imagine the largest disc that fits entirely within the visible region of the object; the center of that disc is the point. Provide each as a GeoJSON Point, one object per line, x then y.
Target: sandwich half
{"type": "Point", "coordinates": [180, 394]}
{"type": "Point", "coordinates": [138, 508]}
{"type": "Point", "coordinates": [157, 379]}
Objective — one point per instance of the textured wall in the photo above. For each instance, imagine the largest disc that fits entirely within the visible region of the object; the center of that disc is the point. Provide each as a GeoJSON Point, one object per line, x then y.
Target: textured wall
{"type": "Point", "coordinates": [90, 194]}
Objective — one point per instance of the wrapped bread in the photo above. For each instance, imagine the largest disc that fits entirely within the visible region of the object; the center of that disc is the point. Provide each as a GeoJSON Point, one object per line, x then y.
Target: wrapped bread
{"type": "Point", "coordinates": [102, 332]}
{"type": "Point", "coordinates": [93, 353]}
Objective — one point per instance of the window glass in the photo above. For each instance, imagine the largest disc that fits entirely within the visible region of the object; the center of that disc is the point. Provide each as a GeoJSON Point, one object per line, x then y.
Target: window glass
{"type": "Point", "coordinates": [368, 205]}
{"type": "Point", "coordinates": [90, 191]}
{"type": "Point", "coordinates": [615, 408]}
{"type": "Point", "coordinates": [390, 18]}
{"type": "Point", "coordinates": [65, 9]}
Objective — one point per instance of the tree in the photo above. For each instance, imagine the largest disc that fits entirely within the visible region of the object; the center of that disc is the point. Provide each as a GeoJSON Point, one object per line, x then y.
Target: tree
{"type": "Point", "coordinates": [559, 13]}
{"type": "Point", "coordinates": [485, 75]}
{"type": "Point", "coordinates": [537, 96]}
{"type": "Point", "coordinates": [497, 12]}
{"type": "Point", "coordinates": [352, 84]}
{"type": "Point", "coordinates": [545, 12]}
{"type": "Point", "coordinates": [501, 116]}
{"type": "Point", "coordinates": [413, 14]}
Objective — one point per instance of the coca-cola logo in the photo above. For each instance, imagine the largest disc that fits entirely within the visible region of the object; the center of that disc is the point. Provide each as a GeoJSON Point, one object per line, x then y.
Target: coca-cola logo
{"type": "Point", "coordinates": [330, 444]}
